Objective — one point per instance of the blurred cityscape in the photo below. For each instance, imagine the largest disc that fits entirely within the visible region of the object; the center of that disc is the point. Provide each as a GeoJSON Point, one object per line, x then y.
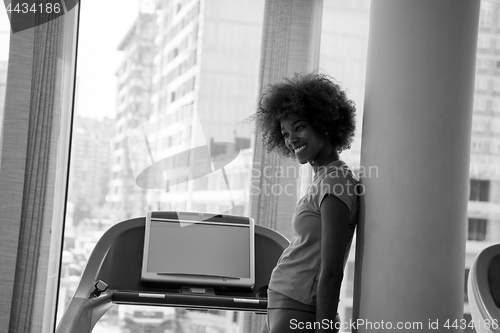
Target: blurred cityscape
{"type": "Point", "coordinates": [189, 77]}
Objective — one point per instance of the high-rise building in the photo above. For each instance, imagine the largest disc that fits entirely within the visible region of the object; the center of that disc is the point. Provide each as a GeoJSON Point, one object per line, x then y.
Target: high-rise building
{"type": "Point", "coordinates": [205, 84]}
{"type": "Point", "coordinates": [133, 108]}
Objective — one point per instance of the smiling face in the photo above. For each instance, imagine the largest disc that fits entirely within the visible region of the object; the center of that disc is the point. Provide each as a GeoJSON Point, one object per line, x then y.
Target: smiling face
{"type": "Point", "coordinates": [305, 143]}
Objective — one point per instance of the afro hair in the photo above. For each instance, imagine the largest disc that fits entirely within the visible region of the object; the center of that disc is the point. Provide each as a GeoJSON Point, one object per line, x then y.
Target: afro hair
{"type": "Point", "coordinates": [312, 97]}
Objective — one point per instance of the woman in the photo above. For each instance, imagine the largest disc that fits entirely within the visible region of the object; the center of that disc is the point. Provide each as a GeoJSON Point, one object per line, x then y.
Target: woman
{"type": "Point", "coordinates": [309, 118]}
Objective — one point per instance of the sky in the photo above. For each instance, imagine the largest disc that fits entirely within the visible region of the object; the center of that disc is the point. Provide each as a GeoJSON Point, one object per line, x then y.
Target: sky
{"type": "Point", "coordinates": [102, 26]}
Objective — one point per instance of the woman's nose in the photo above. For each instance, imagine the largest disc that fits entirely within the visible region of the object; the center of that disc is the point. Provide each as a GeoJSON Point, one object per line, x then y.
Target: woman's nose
{"type": "Point", "coordinates": [292, 139]}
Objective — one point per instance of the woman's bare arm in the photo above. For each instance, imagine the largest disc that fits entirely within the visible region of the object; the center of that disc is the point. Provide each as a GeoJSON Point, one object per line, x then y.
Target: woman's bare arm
{"type": "Point", "coordinates": [334, 234]}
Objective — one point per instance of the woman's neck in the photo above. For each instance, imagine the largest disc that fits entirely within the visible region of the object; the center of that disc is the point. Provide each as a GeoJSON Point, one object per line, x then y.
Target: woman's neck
{"type": "Point", "coordinates": [327, 159]}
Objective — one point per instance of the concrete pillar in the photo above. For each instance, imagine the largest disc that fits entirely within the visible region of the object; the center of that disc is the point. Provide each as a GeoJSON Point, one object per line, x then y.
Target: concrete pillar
{"type": "Point", "coordinates": [415, 154]}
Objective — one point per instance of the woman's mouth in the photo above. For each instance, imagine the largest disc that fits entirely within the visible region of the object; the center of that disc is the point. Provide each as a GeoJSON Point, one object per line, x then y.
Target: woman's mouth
{"type": "Point", "coordinates": [297, 150]}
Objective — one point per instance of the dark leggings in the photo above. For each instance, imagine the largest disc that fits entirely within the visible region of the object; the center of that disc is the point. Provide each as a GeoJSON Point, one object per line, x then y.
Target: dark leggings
{"type": "Point", "coordinates": [285, 315]}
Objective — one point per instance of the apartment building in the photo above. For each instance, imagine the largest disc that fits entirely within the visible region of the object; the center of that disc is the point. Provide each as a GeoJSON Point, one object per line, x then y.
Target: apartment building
{"type": "Point", "coordinates": [134, 91]}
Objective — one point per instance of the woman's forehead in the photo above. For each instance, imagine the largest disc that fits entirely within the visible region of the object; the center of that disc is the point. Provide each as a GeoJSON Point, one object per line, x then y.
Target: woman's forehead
{"type": "Point", "coordinates": [290, 120]}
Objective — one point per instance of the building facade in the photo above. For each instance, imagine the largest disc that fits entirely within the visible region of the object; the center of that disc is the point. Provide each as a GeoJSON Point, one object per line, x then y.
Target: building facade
{"type": "Point", "coordinates": [134, 90]}
{"type": "Point", "coordinates": [204, 86]}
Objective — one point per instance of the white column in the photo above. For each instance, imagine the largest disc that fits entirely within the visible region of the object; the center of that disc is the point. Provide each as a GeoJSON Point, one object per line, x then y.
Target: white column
{"type": "Point", "coordinates": [416, 141]}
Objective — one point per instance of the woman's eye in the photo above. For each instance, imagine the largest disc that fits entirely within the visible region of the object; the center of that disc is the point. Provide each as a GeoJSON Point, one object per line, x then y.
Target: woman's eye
{"type": "Point", "coordinates": [300, 128]}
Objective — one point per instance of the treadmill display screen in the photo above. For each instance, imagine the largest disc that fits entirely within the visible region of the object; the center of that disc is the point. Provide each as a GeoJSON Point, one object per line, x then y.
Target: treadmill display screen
{"type": "Point", "coordinates": [204, 249]}
{"type": "Point", "coordinates": [212, 252]}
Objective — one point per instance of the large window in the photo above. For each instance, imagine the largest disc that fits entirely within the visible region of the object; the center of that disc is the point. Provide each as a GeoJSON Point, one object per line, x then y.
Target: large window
{"type": "Point", "coordinates": [158, 79]}
{"type": "Point", "coordinates": [477, 229]}
{"type": "Point", "coordinates": [479, 190]}
{"type": "Point", "coordinates": [168, 78]}
{"type": "Point", "coordinates": [160, 85]}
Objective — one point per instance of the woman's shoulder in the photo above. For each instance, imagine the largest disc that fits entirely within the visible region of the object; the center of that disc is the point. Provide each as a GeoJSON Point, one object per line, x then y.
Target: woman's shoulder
{"type": "Point", "coordinates": [336, 170]}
